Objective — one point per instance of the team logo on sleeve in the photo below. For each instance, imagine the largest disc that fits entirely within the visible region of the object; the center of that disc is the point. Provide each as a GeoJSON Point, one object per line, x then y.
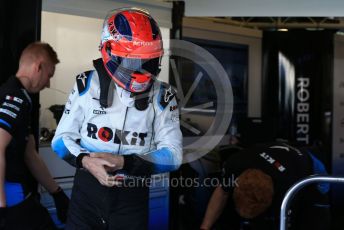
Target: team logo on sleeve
{"type": "Point", "coordinates": [83, 82]}
{"type": "Point", "coordinates": [11, 106]}
{"type": "Point", "coordinates": [173, 107]}
{"type": "Point", "coordinates": [273, 162]}
{"type": "Point", "coordinates": [9, 113]}
{"type": "Point", "coordinates": [16, 99]}
{"type": "Point", "coordinates": [82, 79]}
{"type": "Point", "coordinates": [175, 117]}
{"type": "Point", "coordinates": [168, 95]}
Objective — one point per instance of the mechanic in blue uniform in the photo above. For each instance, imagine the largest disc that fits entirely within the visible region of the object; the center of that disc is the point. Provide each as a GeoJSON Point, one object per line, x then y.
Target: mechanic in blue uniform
{"type": "Point", "coordinates": [120, 126]}
{"type": "Point", "coordinates": [20, 209]}
{"type": "Point", "coordinates": [254, 183]}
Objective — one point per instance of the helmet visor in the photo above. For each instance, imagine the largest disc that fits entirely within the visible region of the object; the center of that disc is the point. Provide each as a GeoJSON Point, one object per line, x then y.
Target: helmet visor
{"type": "Point", "coordinates": [152, 66]}
{"type": "Point", "coordinates": [134, 75]}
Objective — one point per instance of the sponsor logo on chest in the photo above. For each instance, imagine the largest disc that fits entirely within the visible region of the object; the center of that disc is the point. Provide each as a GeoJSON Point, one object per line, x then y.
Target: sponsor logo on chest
{"type": "Point", "coordinates": [117, 136]}
{"type": "Point", "coordinates": [95, 111]}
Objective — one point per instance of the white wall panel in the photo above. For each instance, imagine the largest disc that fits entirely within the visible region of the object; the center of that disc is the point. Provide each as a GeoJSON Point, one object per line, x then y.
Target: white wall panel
{"type": "Point", "coordinates": [161, 11]}
{"type": "Point", "coordinates": [272, 8]}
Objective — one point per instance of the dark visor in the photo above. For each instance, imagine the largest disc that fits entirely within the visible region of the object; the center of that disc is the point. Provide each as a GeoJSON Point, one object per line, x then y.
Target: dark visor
{"type": "Point", "coordinates": [138, 65]}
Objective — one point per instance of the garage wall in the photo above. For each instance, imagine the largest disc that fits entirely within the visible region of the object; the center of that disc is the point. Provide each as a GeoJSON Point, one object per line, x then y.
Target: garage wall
{"type": "Point", "coordinates": [338, 108]}
{"type": "Point", "coordinates": [208, 30]}
{"type": "Point", "coordinates": [264, 8]}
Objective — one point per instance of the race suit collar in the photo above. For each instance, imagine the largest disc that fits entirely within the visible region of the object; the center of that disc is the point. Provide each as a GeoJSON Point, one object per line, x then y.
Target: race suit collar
{"type": "Point", "coordinates": [125, 96]}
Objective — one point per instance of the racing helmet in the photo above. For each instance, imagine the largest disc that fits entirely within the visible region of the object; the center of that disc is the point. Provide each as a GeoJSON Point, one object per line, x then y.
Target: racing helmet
{"type": "Point", "coordinates": [131, 48]}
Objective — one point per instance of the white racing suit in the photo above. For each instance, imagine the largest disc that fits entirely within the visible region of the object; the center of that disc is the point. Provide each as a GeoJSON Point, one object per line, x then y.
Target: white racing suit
{"type": "Point", "coordinates": [149, 139]}
{"type": "Point", "coordinates": [87, 127]}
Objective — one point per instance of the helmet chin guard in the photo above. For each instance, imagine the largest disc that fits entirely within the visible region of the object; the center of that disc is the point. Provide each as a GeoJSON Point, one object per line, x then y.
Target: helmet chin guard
{"type": "Point", "coordinates": [131, 48]}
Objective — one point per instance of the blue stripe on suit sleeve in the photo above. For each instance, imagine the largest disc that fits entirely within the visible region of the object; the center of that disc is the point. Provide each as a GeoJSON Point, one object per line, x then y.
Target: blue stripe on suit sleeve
{"type": "Point", "coordinates": [163, 160]}
{"type": "Point", "coordinates": [60, 148]}
{"type": "Point", "coordinates": [5, 123]}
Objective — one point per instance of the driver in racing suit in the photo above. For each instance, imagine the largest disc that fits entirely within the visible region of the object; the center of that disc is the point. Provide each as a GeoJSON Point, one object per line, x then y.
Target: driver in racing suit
{"type": "Point", "coordinates": [120, 125]}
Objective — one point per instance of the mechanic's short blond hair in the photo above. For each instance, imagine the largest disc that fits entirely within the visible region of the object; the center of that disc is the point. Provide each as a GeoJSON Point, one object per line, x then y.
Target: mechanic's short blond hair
{"type": "Point", "coordinates": [37, 50]}
{"type": "Point", "coordinates": [253, 193]}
